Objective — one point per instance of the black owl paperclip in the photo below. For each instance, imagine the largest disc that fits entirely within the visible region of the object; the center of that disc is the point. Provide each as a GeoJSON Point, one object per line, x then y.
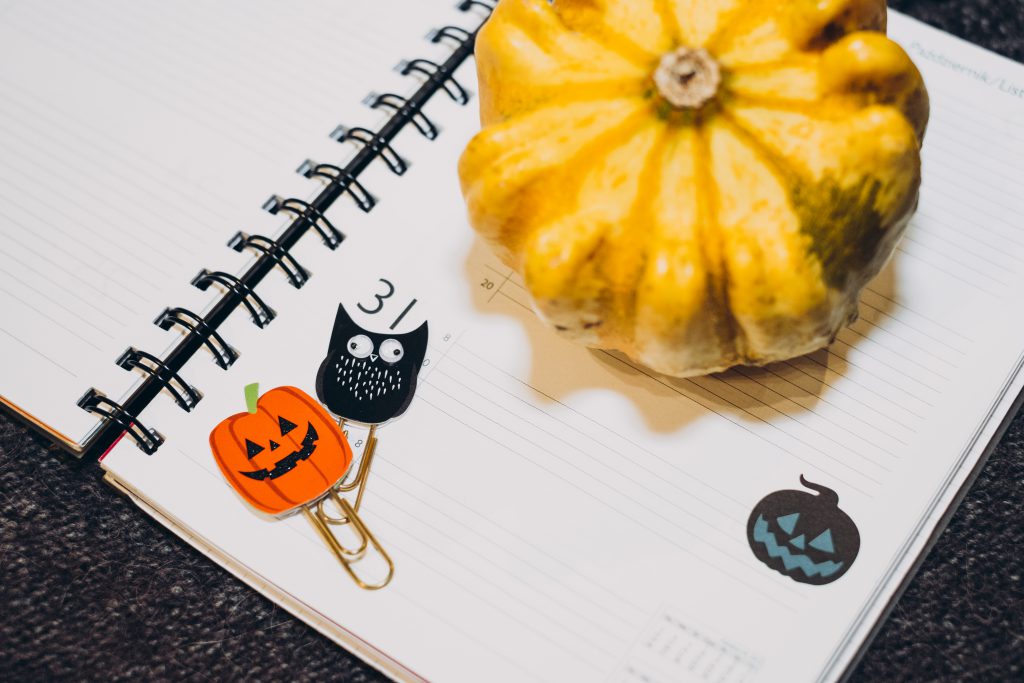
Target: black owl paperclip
{"type": "Point", "coordinates": [367, 378]}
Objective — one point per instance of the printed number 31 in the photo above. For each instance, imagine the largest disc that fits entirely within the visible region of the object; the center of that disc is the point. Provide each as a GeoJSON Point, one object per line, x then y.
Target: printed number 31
{"type": "Point", "coordinates": [379, 300]}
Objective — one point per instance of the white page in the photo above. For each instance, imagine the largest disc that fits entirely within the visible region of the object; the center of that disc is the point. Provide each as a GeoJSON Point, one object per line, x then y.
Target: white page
{"type": "Point", "coordinates": [135, 139]}
{"type": "Point", "coordinates": [561, 514]}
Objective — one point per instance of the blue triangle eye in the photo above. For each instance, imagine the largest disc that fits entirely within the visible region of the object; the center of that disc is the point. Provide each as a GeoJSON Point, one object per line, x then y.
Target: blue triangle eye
{"type": "Point", "coordinates": [788, 522]}
{"type": "Point", "coordinates": [823, 542]}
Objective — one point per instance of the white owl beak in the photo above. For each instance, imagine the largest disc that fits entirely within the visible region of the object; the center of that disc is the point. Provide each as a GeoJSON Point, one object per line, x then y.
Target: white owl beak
{"type": "Point", "coordinates": [373, 357]}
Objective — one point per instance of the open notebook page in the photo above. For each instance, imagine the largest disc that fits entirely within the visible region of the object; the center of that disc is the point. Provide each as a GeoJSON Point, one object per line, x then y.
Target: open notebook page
{"type": "Point", "coordinates": [562, 514]}
{"type": "Point", "coordinates": [135, 139]}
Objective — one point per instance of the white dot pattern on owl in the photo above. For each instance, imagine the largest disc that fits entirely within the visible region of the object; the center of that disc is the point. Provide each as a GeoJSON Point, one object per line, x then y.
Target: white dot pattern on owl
{"type": "Point", "coordinates": [381, 378]}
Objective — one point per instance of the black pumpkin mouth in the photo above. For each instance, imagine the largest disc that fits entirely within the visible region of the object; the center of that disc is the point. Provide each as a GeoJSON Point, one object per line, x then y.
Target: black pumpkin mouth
{"type": "Point", "coordinates": [288, 462]}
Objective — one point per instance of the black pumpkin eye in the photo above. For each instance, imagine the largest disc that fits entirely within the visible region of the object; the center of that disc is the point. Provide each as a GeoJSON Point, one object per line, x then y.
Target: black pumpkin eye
{"type": "Point", "coordinates": [253, 449]}
{"type": "Point", "coordinates": [286, 426]}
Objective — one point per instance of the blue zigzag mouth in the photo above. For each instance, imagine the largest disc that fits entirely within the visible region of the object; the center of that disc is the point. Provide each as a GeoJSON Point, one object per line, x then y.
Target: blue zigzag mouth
{"type": "Point", "coordinates": [789, 560]}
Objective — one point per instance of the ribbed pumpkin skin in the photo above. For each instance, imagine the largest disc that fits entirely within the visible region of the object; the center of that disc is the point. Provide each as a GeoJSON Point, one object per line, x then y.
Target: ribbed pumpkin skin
{"type": "Point", "coordinates": [693, 240]}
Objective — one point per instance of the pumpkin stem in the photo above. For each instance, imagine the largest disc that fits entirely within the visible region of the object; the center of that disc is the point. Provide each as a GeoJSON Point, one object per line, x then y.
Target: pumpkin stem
{"type": "Point", "coordinates": [688, 78]}
{"type": "Point", "coordinates": [824, 492]}
{"type": "Point", "coordinates": [252, 395]}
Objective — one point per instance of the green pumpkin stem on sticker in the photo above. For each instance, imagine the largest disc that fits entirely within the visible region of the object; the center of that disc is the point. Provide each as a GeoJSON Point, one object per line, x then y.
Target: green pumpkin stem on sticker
{"type": "Point", "coordinates": [252, 396]}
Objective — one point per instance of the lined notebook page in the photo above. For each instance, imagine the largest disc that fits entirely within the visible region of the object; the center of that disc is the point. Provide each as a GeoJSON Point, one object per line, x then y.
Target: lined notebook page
{"type": "Point", "coordinates": [562, 514]}
{"type": "Point", "coordinates": [135, 139]}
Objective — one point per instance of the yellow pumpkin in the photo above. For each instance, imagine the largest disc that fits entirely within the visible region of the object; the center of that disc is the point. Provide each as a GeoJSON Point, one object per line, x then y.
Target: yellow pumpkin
{"type": "Point", "coordinates": [697, 183]}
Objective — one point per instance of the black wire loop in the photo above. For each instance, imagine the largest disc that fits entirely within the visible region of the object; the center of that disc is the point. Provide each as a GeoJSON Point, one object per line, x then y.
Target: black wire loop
{"type": "Point", "coordinates": [467, 5]}
{"type": "Point", "coordinates": [331, 236]}
{"type": "Point", "coordinates": [459, 35]}
{"type": "Point", "coordinates": [436, 74]}
{"type": "Point", "coordinates": [398, 103]}
{"type": "Point", "coordinates": [375, 143]}
{"type": "Point", "coordinates": [148, 440]}
{"type": "Point", "coordinates": [339, 176]}
{"type": "Point", "coordinates": [223, 354]}
{"type": "Point", "coordinates": [184, 394]}
{"type": "Point", "coordinates": [261, 313]}
{"type": "Point", "coordinates": [297, 275]}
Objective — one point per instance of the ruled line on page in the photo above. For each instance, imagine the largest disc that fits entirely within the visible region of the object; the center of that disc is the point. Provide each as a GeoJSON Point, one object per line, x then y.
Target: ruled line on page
{"type": "Point", "coordinates": [39, 278]}
{"type": "Point", "coordinates": [74, 314]}
{"type": "Point", "coordinates": [73, 252]}
{"type": "Point", "coordinates": [144, 183]}
{"type": "Point", "coordinates": [751, 375]}
{"type": "Point", "coordinates": [539, 554]}
{"type": "Point", "coordinates": [863, 321]}
{"type": "Point", "coordinates": [679, 546]}
{"type": "Point", "coordinates": [484, 423]}
{"type": "Point", "coordinates": [863, 340]}
{"type": "Point", "coordinates": [105, 229]}
{"type": "Point", "coordinates": [72, 281]}
{"type": "Point", "coordinates": [116, 197]}
{"type": "Point", "coordinates": [118, 263]}
{"type": "Point", "coordinates": [616, 472]}
{"type": "Point", "coordinates": [977, 245]}
{"type": "Point", "coordinates": [886, 382]}
{"type": "Point", "coordinates": [600, 443]}
{"type": "Point", "coordinates": [918, 314]}
{"type": "Point", "coordinates": [889, 317]}
{"type": "Point", "coordinates": [34, 311]}
{"type": "Point", "coordinates": [84, 133]}
{"type": "Point", "coordinates": [542, 606]}
{"type": "Point", "coordinates": [608, 432]}
{"type": "Point", "coordinates": [36, 351]}
{"type": "Point", "coordinates": [784, 368]}
{"type": "Point", "coordinates": [707, 384]}
{"type": "Point", "coordinates": [130, 79]}
{"type": "Point", "coordinates": [716, 398]}
{"type": "Point", "coordinates": [609, 615]}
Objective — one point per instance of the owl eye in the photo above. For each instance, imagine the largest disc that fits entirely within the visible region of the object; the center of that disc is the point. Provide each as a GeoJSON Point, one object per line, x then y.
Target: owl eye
{"type": "Point", "coordinates": [391, 350]}
{"type": "Point", "coordinates": [360, 346]}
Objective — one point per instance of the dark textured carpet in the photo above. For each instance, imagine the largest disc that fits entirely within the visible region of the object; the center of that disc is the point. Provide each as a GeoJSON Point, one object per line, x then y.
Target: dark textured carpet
{"type": "Point", "coordinates": [90, 588]}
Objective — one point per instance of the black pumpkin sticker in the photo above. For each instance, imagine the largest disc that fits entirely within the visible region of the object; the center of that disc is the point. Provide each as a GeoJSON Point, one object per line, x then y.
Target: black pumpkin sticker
{"type": "Point", "coordinates": [804, 536]}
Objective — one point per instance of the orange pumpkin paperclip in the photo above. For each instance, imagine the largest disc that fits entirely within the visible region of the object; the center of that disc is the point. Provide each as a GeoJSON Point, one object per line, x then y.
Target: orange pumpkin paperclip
{"type": "Point", "coordinates": [286, 454]}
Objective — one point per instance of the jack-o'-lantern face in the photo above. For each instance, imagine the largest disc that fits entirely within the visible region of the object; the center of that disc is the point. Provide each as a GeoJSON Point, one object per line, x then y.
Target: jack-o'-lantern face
{"type": "Point", "coordinates": [804, 536]}
{"type": "Point", "coordinates": [283, 453]}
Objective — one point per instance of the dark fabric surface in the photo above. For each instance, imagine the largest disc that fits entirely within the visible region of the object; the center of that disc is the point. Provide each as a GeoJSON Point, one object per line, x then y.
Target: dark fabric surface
{"type": "Point", "coordinates": [90, 588]}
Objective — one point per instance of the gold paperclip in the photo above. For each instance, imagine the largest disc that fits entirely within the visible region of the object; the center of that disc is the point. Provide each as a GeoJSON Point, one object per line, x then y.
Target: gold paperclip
{"type": "Point", "coordinates": [322, 522]}
{"type": "Point", "coordinates": [364, 464]}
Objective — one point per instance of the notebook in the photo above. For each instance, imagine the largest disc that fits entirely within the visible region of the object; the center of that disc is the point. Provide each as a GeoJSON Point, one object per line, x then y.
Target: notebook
{"type": "Point", "coordinates": [552, 513]}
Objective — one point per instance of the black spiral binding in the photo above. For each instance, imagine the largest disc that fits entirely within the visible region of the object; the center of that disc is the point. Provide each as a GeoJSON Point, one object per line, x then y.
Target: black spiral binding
{"type": "Point", "coordinates": [340, 177]}
{"type": "Point", "coordinates": [432, 71]}
{"type": "Point", "coordinates": [261, 313]}
{"type": "Point", "coordinates": [185, 395]}
{"type": "Point", "coordinates": [400, 105]}
{"type": "Point", "coordinates": [367, 138]}
{"type": "Point", "coordinates": [121, 421]}
{"type": "Point", "coordinates": [201, 331]}
{"type": "Point", "coordinates": [223, 354]}
{"type": "Point", "coordinates": [303, 209]}
{"type": "Point", "coordinates": [272, 250]}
